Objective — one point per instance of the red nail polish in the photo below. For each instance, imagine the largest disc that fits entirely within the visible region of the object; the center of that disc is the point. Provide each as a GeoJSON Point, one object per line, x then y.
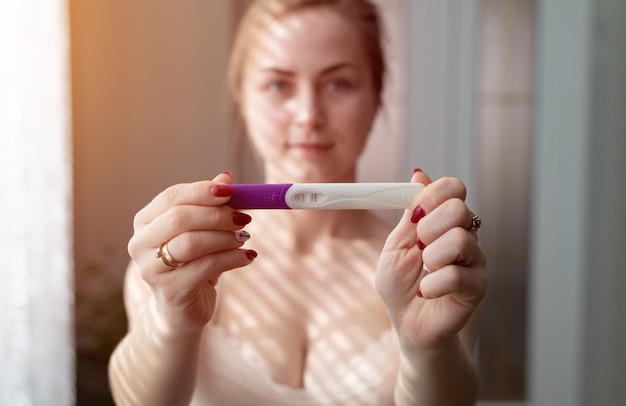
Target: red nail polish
{"type": "Point", "coordinates": [251, 254]}
{"type": "Point", "coordinates": [223, 190]}
{"type": "Point", "coordinates": [417, 170]}
{"type": "Point", "coordinates": [420, 244]}
{"type": "Point", "coordinates": [241, 219]}
{"type": "Point", "coordinates": [227, 172]}
{"type": "Point", "coordinates": [417, 214]}
{"type": "Point", "coordinates": [419, 292]}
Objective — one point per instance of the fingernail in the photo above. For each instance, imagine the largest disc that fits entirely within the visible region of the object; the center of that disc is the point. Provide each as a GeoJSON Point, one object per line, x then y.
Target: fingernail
{"type": "Point", "coordinates": [417, 170]}
{"type": "Point", "coordinates": [420, 244]}
{"type": "Point", "coordinates": [251, 254]}
{"type": "Point", "coordinates": [417, 214]}
{"type": "Point", "coordinates": [227, 172]}
{"type": "Point", "coordinates": [241, 235]}
{"type": "Point", "coordinates": [241, 219]}
{"type": "Point", "coordinates": [223, 190]}
{"type": "Point", "coordinates": [419, 292]}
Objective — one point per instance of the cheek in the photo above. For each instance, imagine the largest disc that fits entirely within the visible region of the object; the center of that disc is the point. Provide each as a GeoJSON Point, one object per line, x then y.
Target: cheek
{"type": "Point", "coordinates": [264, 125]}
{"type": "Point", "coordinates": [356, 121]}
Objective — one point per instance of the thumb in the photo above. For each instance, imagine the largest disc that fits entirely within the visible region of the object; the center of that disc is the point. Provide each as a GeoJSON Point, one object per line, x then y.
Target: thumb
{"type": "Point", "coordinates": [225, 177]}
{"type": "Point", "coordinates": [420, 177]}
{"type": "Point", "coordinates": [405, 233]}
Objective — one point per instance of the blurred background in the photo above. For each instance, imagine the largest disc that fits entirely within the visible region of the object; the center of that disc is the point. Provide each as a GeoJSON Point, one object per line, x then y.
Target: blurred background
{"type": "Point", "coordinates": [106, 103]}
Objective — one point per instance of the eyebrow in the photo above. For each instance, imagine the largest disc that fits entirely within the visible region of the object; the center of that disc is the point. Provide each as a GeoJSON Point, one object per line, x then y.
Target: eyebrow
{"type": "Point", "coordinates": [325, 71]}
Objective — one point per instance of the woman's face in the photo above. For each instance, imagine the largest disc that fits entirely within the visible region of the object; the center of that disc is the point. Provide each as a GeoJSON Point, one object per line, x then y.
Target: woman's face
{"type": "Point", "coordinates": [308, 98]}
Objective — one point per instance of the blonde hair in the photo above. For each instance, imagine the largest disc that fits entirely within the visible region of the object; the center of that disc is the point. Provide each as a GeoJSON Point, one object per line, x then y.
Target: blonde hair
{"type": "Point", "coordinates": [362, 13]}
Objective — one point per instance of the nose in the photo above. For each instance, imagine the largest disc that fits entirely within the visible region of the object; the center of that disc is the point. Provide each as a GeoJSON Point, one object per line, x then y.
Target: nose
{"type": "Point", "coordinates": [308, 108]}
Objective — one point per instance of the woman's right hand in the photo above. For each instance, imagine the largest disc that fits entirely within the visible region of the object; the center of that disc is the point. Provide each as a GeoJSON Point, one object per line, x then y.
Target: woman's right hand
{"type": "Point", "coordinates": [200, 231]}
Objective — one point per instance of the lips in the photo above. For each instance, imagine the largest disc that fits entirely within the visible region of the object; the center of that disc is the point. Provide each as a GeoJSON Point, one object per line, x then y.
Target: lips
{"type": "Point", "coordinates": [310, 147]}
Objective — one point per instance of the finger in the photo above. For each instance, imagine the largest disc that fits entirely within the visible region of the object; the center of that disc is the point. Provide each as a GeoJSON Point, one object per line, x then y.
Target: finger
{"type": "Point", "coordinates": [205, 269]}
{"type": "Point", "coordinates": [195, 244]}
{"type": "Point", "coordinates": [450, 214]}
{"type": "Point", "coordinates": [455, 246]}
{"type": "Point", "coordinates": [206, 193]}
{"type": "Point", "coordinates": [181, 219]}
{"type": "Point", "coordinates": [468, 284]}
{"type": "Point", "coordinates": [438, 192]}
{"type": "Point", "coordinates": [420, 177]}
{"type": "Point", "coordinates": [404, 234]}
{"type": "Point", "coordinates": [224, 177]}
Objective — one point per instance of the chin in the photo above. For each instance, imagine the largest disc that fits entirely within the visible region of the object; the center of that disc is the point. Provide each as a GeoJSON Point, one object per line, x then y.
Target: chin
{"type": "Point", "coordinates": [305, 172]}
{"type": "Point", "coordinates": [324, 178]}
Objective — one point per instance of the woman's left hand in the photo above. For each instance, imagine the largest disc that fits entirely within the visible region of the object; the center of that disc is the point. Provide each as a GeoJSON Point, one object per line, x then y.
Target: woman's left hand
{"type": "Point", "coordinates": [431, 273]}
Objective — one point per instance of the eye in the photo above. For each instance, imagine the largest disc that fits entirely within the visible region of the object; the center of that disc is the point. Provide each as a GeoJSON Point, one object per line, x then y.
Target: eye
{"type": "Point", "coordinates": [338, 84]}
{"type": "Point", "coordinates": [278, 86]}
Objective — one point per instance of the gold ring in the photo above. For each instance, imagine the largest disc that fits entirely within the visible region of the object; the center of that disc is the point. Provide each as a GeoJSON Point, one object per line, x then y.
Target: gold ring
{"type": "Point", "coordinates": [167, 258]}
{"type": "Point", "coordinates": [476, 223]}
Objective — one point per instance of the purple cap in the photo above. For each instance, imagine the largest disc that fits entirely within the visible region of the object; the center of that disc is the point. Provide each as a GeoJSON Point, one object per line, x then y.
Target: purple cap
{"type": "Point", "coordinates": [259, 196]}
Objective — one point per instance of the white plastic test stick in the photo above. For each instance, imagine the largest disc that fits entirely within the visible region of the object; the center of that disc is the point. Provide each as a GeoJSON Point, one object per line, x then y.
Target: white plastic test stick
{"type": "Point", "coordinates": [320, 196]}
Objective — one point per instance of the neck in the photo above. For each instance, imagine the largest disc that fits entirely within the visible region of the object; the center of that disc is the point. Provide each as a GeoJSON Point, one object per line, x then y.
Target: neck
{"type": "Point", "coordinates": [315, 224]}
{"type": "Point", "coordinates": [303, 229]}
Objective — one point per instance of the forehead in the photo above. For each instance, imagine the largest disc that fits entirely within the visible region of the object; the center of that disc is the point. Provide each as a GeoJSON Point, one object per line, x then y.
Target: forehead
{"type": "Point", "coordinates": [311, 38]}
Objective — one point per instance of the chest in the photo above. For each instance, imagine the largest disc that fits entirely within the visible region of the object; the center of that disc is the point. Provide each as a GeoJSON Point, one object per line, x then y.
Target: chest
{"type": "Point", "coordinates": [300, 317]}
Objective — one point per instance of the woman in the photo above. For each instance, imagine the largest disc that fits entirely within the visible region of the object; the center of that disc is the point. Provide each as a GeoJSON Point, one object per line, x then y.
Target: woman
{"type": "Point", "coordinates": [318, 307]}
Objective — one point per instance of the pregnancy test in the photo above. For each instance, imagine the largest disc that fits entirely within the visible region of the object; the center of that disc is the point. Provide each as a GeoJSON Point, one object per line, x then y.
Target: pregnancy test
{"type": "Point", "coordinates": [325, 196]}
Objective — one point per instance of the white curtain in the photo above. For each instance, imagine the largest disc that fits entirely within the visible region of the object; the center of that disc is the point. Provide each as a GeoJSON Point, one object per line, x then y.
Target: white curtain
{"type": "Point", "coordinates": [36, 295]}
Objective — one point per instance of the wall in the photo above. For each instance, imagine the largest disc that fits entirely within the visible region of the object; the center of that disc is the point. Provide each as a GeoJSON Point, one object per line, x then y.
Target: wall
{"type": "Point", "coordinates": [578, 323]}
{"type": "Point", "coordinates": [605, 358]}
{"type": "Point", "coordinates": [150, 108]}
{"type": "Point", "coordinates": [505, 112]}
